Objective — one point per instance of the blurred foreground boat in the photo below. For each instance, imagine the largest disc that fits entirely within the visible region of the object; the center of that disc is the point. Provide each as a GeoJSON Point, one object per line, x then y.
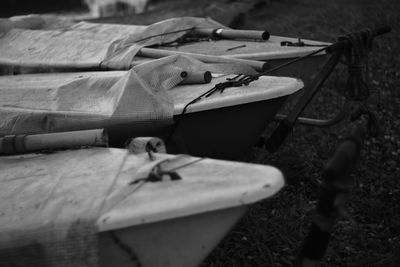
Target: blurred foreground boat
{"type": "Point", "coordinates": [108, 207]}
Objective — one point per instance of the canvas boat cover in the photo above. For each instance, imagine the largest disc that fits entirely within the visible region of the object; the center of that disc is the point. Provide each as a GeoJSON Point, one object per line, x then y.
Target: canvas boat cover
{"type": "Point", "coordinates": [49, 43]}
{"type": "Point", "coordinates": [41, 103]}
{"type": "Point", "coordinates": [52, 44]}
{"type": "Point", "coordinates": [142, 97]}
{"type": "Point", "coordinates": [53, 205]}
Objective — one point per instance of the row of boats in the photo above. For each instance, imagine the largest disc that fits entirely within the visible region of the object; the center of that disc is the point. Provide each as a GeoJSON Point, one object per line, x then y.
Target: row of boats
{"type": "Point", "coordinates": [79, 186]}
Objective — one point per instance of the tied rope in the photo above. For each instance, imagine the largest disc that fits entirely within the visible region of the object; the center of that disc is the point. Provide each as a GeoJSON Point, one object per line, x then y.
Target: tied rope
{"type": "Point", "coordinates": [357, 85]}
{"type": "Point", "coordinates": [356, 59]}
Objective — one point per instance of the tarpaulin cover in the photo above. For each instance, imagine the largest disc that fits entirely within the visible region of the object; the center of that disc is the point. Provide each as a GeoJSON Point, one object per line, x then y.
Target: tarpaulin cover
{"type": "Point", "coordinates": [83, 46]}
{"type": "Point", "coordinates": [41, 103]}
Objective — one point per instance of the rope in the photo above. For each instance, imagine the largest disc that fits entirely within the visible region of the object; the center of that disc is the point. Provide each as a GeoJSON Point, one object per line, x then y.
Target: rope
{"type": "Point", "coordinates": [356, 58]}
{"type": "Point", "coordinates": [300, 43]}
{"type": "Point", "coordinates": [158, 171]}
{"type": "Point", "coordinates": [125, 248]}
{"type": "Point", "coordinates": [357, 85]}
{"type": "Point", "coordinates": [231, 82]}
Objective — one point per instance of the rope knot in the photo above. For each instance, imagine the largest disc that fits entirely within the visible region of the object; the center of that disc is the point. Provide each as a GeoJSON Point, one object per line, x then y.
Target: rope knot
{"type": "Point", "coordinates": [222, 86]}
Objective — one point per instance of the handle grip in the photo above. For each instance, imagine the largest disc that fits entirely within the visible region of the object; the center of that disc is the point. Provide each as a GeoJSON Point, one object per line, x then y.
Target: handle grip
{"type": "Point", "coordinates": [233, 34]}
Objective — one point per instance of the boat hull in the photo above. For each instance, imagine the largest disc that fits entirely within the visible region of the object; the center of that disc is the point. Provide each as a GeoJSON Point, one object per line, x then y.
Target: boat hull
{"type": "Point", "coordinates": [178, 242]}
{"type": "Point", "coordinates": [226, 133]}
{"type": "Point", "coordinates": [223, 133]}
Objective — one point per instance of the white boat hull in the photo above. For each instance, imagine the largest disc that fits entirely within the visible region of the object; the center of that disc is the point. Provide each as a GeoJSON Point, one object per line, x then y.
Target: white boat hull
{"type": "Point", "coordinates": [182, 242]}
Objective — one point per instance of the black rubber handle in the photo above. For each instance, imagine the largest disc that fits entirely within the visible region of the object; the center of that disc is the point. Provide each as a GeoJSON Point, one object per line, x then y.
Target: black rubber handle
{"type": "Point", "coordinates": [342, 43]}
